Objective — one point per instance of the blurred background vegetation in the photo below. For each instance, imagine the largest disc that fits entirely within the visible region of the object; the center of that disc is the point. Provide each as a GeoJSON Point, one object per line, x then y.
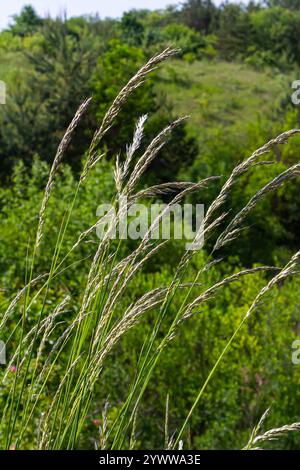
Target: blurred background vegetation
{"type": "Point", "coordinates": [233, 76]}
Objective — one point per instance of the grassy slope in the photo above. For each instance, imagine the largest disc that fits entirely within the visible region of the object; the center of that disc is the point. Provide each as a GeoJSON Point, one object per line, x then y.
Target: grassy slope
{"type": "Point", "coordinates": [222, 94]}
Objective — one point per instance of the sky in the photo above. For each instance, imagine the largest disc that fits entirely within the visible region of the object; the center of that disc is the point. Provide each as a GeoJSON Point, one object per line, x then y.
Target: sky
{"type": "Point", "coordinates": [113, 8]}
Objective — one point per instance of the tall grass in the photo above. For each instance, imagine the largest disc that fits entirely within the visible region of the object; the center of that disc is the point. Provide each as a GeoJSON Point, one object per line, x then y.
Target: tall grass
{"type": "Point", "coordinates": [94, 330]}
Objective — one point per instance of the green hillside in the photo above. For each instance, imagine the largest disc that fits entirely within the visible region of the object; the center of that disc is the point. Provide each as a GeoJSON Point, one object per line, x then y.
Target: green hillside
{"type": "Point", "coordinates": [222, 94]}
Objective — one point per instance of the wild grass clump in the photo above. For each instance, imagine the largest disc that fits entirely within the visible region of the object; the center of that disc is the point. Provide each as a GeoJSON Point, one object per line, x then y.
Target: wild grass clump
{"type": "Point", "coordinates": [86, 332]}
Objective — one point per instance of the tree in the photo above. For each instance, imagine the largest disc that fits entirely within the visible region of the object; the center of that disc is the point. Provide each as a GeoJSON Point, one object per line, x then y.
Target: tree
{"type": "Point", "coordinates": [27, 22]}
{"type": "Point", "coordinates": [132, 29]}
{"type": "Point", "coordinates": [277, 30]}
{"type": "Point", "coordinates": [199, 14]}
{"type": "Point", "coordinates": [182, 37]}
{"type": "Point", "coordinates": [235, 31]}
{"type": "Point", "coordinates": [42, 102]}
{"type": "Point", "coordinates": [115, 68]}
{"type": "Point", "coordinates": [289, 4]}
